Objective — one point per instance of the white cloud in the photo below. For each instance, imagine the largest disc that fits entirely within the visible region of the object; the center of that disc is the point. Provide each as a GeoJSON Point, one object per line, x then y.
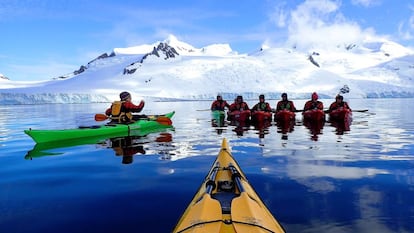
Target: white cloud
{"type": "Point", "coordinates": [366, 3]}
{"type": "Point", "coordinates": [406, 28]}
{"type": "Point", "coordinates": [320, 22]}
{"type": "Point", "coordinates": [279, 16]}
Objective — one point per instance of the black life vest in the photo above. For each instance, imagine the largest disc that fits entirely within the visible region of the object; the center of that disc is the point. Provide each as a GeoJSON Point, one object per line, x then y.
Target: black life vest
{"type": "Point", "coordinates": [119, 114]}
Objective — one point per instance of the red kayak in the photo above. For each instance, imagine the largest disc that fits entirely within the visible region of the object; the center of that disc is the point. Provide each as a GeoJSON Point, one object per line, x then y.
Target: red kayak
{"type": "Point", "coordinates": [260, 116]}
{"type": "Point", "coordinates": [341, 119]}
{"type": "Point", "coordinates": [314, 115]}
{"type": "Point", "coordinates": [341, 114]}
{"type": "Point", "coordinates": [284, 115]}
{"type": "Point", "coordinates": [241, 116]}
{"type": "Point", "coordinates": [285, 120]}
{"type": "Point", "coordinates": [261, 120]}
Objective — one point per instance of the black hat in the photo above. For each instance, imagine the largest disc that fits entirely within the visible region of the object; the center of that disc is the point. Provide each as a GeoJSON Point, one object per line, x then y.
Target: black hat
{"type": "Point", "coordinates": [124, 95]}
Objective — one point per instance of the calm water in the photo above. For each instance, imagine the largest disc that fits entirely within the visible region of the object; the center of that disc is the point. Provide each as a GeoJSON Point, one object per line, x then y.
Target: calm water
{"type": "Point", "coordinates": [360, 180]}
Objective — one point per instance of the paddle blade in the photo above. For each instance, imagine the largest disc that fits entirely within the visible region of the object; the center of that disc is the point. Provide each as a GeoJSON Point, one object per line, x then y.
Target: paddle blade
{"type": "Point", "coordinates": [163, 120]}
{"type": "Point", "coordinates": [100, 117]}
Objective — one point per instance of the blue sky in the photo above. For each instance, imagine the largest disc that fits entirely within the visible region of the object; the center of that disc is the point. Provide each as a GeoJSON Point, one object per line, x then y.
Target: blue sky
{"type": "Point", "coordinates": [42, 39]}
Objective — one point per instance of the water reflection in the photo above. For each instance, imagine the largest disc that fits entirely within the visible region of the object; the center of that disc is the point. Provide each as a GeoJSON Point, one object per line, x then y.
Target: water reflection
{"type": "Point", "coordinates": [240, 127]}
{"type": "Point", "coordinates": [315, 128]}
{"type": "Point", "coordinates": [126, 147]}
{"type": "Point", "coordinates": [340, 126]}
{"type": "Point", "coordinates": [129, 146]}
{"type": "Point", "coordinates": [262, 126]}
{"type": "Point", "coordinates": [284, 127]}
{"type": "Point", "coordinates": [347, 181]}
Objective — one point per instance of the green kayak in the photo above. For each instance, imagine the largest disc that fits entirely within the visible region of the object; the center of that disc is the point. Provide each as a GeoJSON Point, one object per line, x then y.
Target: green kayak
{"type": "Point", "coordinates": [48, 148]}
{"type": "Point", "coordinates": [151, 122]}
{"type": "Point", "coordinates": [217, 117]}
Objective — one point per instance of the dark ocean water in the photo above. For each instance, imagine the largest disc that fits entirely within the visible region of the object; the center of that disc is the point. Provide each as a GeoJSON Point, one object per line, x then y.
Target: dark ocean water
{"type": "Point", "coordinates": [361, 180]}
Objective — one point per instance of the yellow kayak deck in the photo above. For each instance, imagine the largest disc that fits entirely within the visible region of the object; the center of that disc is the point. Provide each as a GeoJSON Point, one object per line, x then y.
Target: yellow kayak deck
{"type": "Point", "coordinates": [226, 202]}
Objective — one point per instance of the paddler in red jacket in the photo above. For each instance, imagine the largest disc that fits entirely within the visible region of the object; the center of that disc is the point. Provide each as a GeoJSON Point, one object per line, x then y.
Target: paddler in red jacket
{"type": "Point", "coordinates": [239, 110]}
{"type": "Point", "coordinates": [314, 103]}
{"type": "Point", "coordinates": [219, 104]}
{"type": "Point", "coordinates": [239, 105]}
{"type": "Point", "coordinates": [339, 103]}
{"type": "Point", "coordinates": [262, 105]}
{"type": "Point", "coordinates": [121, 111]}
{"type": "Point", "coordinates": [285, 104]}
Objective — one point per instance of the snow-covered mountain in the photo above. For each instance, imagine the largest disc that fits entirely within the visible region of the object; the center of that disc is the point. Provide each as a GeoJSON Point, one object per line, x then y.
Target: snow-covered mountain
{"type": "Point", "coordinates": [174, 70]}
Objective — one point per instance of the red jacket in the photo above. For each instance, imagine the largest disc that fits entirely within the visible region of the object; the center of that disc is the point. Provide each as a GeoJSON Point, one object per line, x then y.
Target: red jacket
{"type": "Point", "coordinates": [309, 105]}
{"type": "Point", "coordinates": [336, 105]}
{"type": "Point", "coordinates": [128, 106]}
{"type": "Point", "coordinates": [239, 106]}
{"type": "Point", "coordinates": [219, 105]}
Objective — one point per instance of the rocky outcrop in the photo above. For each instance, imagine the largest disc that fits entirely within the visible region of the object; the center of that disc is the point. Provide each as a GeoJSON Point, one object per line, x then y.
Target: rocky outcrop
{"type": "Point", "coordinates": [80, 70]}
{"type": "Point", "coordinates": [163, 50]}
{"type": "Point", "coordinates": [312, 60]}
{"type": "Point", "coordinates": [2, 77]}
{"type": "Point", "coordinates": [102, 56]}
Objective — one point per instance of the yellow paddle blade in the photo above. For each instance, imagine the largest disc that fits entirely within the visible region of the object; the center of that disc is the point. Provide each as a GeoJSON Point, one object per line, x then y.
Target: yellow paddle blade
{"type": "Point", "coordinates": [251, 215]}
{"type": "Point", "coordinates": [203, 216]}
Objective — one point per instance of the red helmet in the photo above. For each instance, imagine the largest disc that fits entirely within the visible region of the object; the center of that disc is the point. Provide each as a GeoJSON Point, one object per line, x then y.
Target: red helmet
{"type": "Point", "coordinates": [315, 96]}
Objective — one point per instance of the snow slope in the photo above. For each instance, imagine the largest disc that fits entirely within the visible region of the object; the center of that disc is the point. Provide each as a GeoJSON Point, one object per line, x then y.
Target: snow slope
{"type": "Point", "coordinates": [175, 70]}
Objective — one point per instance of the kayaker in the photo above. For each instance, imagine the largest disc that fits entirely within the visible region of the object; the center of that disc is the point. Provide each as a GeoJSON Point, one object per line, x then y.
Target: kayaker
{"type": "Point", "coordinates": [121, 111]}
{"type": "Point", "coordinates": [219, 104]}
{"type": "Point", "coordinates": [314, 103]}
{"type": "Point", "coordinates": [262, 105]}
{"type": "Point", "coordinates": [339, 103]}
{"type": "Point", "coordinates": [285, 104]}
{"type": "Point", "coordinates": [239, 105]}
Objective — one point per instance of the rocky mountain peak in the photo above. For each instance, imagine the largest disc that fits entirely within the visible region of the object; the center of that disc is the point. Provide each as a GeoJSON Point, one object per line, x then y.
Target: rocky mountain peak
{"type": "Point", "coordinates": [162, 50]}
{"type": "Point", "coordinates": [2, 77]}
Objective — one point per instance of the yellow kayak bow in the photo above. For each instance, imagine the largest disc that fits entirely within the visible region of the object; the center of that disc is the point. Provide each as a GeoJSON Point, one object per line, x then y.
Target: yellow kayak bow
{"type": "Point", "coordinates": [226, 202]}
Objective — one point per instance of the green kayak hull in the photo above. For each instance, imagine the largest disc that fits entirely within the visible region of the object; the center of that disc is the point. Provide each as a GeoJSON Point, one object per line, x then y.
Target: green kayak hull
{"type": "Point", "coordinates": [217, 117]}
{"type": "Point", "coordinates": [47, 148]}
{"type": "Point", "coordinates": [43, 136]}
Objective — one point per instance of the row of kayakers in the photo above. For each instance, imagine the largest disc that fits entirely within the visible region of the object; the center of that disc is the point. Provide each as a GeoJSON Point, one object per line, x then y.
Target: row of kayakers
{"type": "Point", "coordinates": [284, 104]}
